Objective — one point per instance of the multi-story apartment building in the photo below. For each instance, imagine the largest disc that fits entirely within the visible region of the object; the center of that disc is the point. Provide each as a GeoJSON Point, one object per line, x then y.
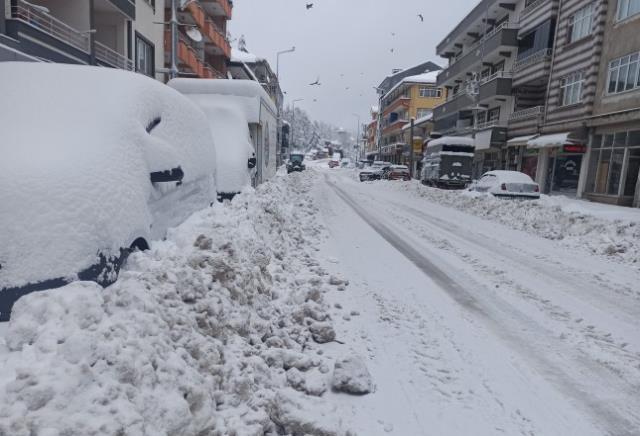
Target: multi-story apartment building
{"type": "Point", "coordinates": [614, 146]}
{"type": "Point", "coordinates": [112, 33]}
{"type": "Point", "coordinates": [481, 51]}
{"type": "Point", "coordinates": [411, 97]}
{"type": "Point", "coordinates": [371, 147]}
{"type": "Point", "coordinates": [207, 58]}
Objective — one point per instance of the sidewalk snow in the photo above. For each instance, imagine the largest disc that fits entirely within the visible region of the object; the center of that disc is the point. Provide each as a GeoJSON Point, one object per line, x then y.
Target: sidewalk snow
{"type": "Point", "coordinates": [206, 333]}
{"type": "Point", "coordinates": [611, 231]}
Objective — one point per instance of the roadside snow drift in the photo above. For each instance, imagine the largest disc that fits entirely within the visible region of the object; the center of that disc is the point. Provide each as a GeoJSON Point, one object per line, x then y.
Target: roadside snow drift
{"type": "Point", "coordinates": [77, 148]}
{"type": "Point", "coordinates": [208, 333]}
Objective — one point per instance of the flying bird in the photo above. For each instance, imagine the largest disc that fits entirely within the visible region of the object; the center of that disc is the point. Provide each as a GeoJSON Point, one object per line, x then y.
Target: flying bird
{"type": "Point", "coordinates": [347, 88]}
{"type": "Point", "coordinates": [309, 6]}
{"type": "Point", "coordinates": [421, 17]}
{"type": "Point", "coordinates": [392, 50]}
{"type": "Point", "coordinates": [316, 83]}
{"type": "Point", "coordinates": [393, 33]}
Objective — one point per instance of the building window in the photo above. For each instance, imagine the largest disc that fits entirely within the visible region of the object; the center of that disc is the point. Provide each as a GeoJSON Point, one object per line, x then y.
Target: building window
{"type": "Point", "coordinates": [627, 8]}
{"type": "Point", "coordinates": [624, 73]}
{"type": "Point", "coordinates": [608, 156]}
{"type": "Point", "coordinates": [426, 91]}
{"type": "Point", "coordinates": [571, 89]}
{"type": "Point", "coordinates": [145, 62]}
{"type": "Point", "coordinates": [580, 23]}
{"type": "Point", "coordinates": [423, 112]}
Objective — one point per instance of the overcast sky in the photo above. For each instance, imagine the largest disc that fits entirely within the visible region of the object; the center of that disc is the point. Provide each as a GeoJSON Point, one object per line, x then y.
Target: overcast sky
{"type": "Point", "coordinates": [349, 37]}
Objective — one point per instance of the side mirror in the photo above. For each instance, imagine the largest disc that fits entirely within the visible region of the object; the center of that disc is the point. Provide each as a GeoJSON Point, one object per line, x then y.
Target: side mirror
{"type": "Point", "coordinates": [252, 163]}
{"type": "Point", "coordinates": [173, 175]}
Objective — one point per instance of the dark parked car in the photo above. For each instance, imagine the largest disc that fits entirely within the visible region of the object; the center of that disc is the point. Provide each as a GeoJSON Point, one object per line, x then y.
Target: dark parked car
{"type": "Point", "coordinates": [295, 163]}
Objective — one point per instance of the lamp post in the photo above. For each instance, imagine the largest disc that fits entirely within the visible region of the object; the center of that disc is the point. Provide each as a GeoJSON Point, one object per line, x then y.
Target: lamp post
{"type": "Point", "coordinates": [358, 132]}
{"type": "Point", "coordinates": [291, 50]}
{"type": "Point", "coordinates": [293, 119]}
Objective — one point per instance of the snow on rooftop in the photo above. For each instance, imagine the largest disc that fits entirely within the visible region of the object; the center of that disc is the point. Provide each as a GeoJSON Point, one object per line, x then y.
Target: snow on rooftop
{"type": "Point", "coordinates": [452, 140]}
{"type": "Point", "coordinates": [244, 57]}
{"type": "Point", "coordinates": [424, 78]}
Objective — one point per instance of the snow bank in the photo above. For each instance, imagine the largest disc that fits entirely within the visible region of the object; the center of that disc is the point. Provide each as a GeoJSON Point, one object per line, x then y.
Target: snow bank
{"type": "Point", "coordinates": [207, 333]}
{"type": "Point", "coordinates": [76, 158]}
{"type": "Point", "coordinates": [611, 231]}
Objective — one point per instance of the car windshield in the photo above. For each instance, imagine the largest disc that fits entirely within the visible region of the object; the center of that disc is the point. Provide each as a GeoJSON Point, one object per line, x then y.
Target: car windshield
{"type": "Point", "coordinates": [296, 158]}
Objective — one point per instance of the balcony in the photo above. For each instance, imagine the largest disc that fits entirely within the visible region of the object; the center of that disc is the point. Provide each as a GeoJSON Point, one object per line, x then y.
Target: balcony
{"type": "Point", "coordinates": [537, 13]}
{"type": "Point", "coordinates": [127, 7]}
{"type": "Point", "coordinates": [526, 121]}
{"type": "Point", "coordinates": [57, 34]}
{"type": "Point", "coordinates": [217, 8]}
{"type": "Point", "coordinates": [497, 85]}
{"type": "Point", "coordinates": [189, 57]}
{"type": "Point", "coordinates": [394, 126]}
{"type": "Point", "coordinates": [399, 102]}
{"type": "Point", "coordinates": [214, 37]}
{"type": "Point", "coordinates": [533, 68]}
{"type": "Point", "coordinates": [112, 58]}
{"type": "Point", "coordinates": [454, 104]}
{"type": "Point", "coordinates": [503, 38]}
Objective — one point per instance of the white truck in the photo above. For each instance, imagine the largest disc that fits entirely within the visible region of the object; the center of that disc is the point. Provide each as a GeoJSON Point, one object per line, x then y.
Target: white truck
{"type": "Point", "coordinates": [244, 123]}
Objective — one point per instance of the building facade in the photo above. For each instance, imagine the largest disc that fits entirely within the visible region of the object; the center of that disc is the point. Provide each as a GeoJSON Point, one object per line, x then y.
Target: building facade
{"type": "Point", "coordinates": [614, 128]}
{"type": "Point", "coordinates": [411, 97]}
{"type": "Point", "coordinates": [371, 147]}
{"type": "Point", "coordinates": [206, 58]}
{"type": "Point", "coordinates": [112, 33]}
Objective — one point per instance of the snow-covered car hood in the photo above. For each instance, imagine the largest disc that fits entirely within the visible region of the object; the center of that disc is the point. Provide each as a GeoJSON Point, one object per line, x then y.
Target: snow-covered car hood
{"type": "Point", "coordinates": [76, 158]}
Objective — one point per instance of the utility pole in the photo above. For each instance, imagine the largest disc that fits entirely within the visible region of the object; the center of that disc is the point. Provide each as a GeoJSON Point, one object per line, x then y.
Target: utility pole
{"type": "Point", "coordinates": [173, 71]}
{"type": "Point", "coordinates": [411, 171]}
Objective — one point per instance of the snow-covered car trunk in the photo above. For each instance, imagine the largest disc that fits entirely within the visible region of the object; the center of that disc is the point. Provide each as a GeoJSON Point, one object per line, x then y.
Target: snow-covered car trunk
{"type": "Point", "coordinates": [78, 150]}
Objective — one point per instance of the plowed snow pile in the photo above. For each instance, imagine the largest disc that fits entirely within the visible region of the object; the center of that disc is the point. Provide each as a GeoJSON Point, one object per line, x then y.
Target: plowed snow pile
{"type": "Point", "coordinates": [611, 231]}
{"type": "Point", "coordinates": [205, 334]}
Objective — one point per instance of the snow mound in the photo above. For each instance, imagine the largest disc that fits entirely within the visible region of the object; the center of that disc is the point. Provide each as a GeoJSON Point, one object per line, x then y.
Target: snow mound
{"type": "Point", "coordinates": [206, 333]}
{"type": "Point", "coordinates": [351, 375]}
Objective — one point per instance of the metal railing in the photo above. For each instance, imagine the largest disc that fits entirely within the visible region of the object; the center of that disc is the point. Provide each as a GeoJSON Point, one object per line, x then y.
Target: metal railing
{"type": "Point", "coordinates": [532, 7]}
{"type": "Point", "coordinates": [50, 25]}
{"type": "Point", "coordinates": [488, 124]}
{"type": "Point", "coordinates": [496, 75]}
{"type": "Point", "coordinates": [539, 56]}
{"type": "Point", "coordinates": [524, 114]}
{"type": "Point", "coordinates": [112, 57]}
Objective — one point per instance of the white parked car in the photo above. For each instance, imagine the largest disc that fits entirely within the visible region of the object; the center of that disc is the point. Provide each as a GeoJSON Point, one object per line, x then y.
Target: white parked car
{"type": "Point", "coordinates": [374, 172]}
{"type": "Point", "coordinates": [95, 162]}
{"type": "Point", "coordinates": [507, 184]}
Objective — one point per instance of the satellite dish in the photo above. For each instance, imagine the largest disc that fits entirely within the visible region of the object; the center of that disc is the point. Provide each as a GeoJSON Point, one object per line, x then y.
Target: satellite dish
{"type": "Point", "coordinates": [194, 34]}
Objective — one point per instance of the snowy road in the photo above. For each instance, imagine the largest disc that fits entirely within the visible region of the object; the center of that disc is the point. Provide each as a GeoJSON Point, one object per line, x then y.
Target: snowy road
{"type": "Point", "coordinates": [473, 328]}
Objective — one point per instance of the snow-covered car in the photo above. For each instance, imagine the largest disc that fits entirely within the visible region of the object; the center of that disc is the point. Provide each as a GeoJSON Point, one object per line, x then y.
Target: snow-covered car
{"type": "Point", "coordinates": [507, 184]}
{"type": "Point", "coordinates": [243, 120]}
{"type": "Point", "coordinates": [345, 163]}
{"type": "Point", "coordinates": [95, 162]}
{"type": "Point", "coordinates": [334, 162]}
{"type": "Point", "coordinates": [397, 172]}
{"type": "Point", "coordinates": [374, 172]}
{"type": "Point", "coordinates": [296, 163]}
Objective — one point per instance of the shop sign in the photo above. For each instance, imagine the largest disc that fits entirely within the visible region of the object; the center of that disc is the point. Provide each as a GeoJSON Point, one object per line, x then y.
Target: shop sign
{"type": "Point", "coordinates": [574, 148]}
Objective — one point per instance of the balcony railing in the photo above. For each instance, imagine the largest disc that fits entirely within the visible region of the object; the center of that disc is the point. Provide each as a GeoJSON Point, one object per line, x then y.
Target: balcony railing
{"type": "Point", "coordinates": [112, 57]}
{"type": "Point", "coordinates": [489, 35]}
{"type": "Point", "coordinates": [524, 114]}
{"type": "Point", "coordinates": [496, 75]}
{"type": "Point", "coordinates": [489, 124]}
{"type": "Point", "coordinates": [209, 28]}
{"type": "Point", "coordinates": [50, 25]}
{"type": "Point", "coordinates": [532, 59]}
{"type": "Point", "coordinates": [532, 7]}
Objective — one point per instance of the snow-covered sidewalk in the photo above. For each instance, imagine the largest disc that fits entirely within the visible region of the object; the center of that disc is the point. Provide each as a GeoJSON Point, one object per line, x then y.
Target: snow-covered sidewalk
{"type": "Point", "coordinates": [214, 331]}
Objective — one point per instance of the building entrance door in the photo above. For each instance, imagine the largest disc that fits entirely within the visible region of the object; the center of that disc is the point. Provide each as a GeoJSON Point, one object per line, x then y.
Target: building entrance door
{"type": "Point", "coordinates": [564, 172]}
{"type": "Point", "coordinates": [633, 169]}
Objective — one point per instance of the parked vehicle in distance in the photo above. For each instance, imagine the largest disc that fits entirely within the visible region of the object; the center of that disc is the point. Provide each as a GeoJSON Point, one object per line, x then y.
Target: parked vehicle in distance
{"type": "Point", "coordinates": [507, 184]}
{"type": "Point", "coordinates": [374, 172]}
{"type": "Point", "coordinates": [363, 163]}
{"type": "Point", "coordinates": [397, 172]}
{"type": "Point", "coordinates": [448, 162]}
{"type": "Point", "coordinates": [335, 160]}
{"type": "Point", "coordinates": [92, 182]}
{"type": "Point", "coordinates": [345, 163]}
{"type": "Point", "coordinates": [295, 163]}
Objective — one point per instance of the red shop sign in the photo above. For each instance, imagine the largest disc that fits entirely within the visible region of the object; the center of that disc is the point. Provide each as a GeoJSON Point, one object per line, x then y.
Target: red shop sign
{"type": "Point", "coordinates": [574, 148]}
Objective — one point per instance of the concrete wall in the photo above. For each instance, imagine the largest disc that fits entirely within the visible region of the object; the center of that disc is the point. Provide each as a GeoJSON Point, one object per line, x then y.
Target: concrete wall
{"type": "Point", "coordinates": [111, 30]}
{"type": "Point", "coordinates": [75, 13]}
{"type": "Point", "coordinates": [144, 25]}
{"type": "Point", "coordinates": [620, 39]}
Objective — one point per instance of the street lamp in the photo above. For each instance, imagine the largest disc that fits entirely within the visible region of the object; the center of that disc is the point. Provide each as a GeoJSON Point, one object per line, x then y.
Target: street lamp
{"type": "Point", "coordinates": [293, 119]}
{"type": "Point", "coordinates": [291, 50]}
{"type": "Point", "coordinates": [358, 131]}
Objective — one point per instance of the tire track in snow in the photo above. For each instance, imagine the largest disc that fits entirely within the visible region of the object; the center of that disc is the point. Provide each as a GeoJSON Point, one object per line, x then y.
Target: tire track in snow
{"type": "Point", "coordinates": [619, 419]}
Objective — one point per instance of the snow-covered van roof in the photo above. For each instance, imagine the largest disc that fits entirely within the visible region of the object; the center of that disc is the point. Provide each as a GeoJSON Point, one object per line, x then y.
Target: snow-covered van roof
{"type": "Point", "coordinates": [452, 140]}
{"type": "Point", "coordinates": [244, 57]}
{"type": "Point", "coordinates": [247, 91]}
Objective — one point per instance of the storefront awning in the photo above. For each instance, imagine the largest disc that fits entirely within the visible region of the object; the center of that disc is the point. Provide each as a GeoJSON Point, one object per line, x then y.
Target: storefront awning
{"type": "Point", "coordinates": [550, 141]}
{"type": "Point", "coordinates": [520, 141]}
